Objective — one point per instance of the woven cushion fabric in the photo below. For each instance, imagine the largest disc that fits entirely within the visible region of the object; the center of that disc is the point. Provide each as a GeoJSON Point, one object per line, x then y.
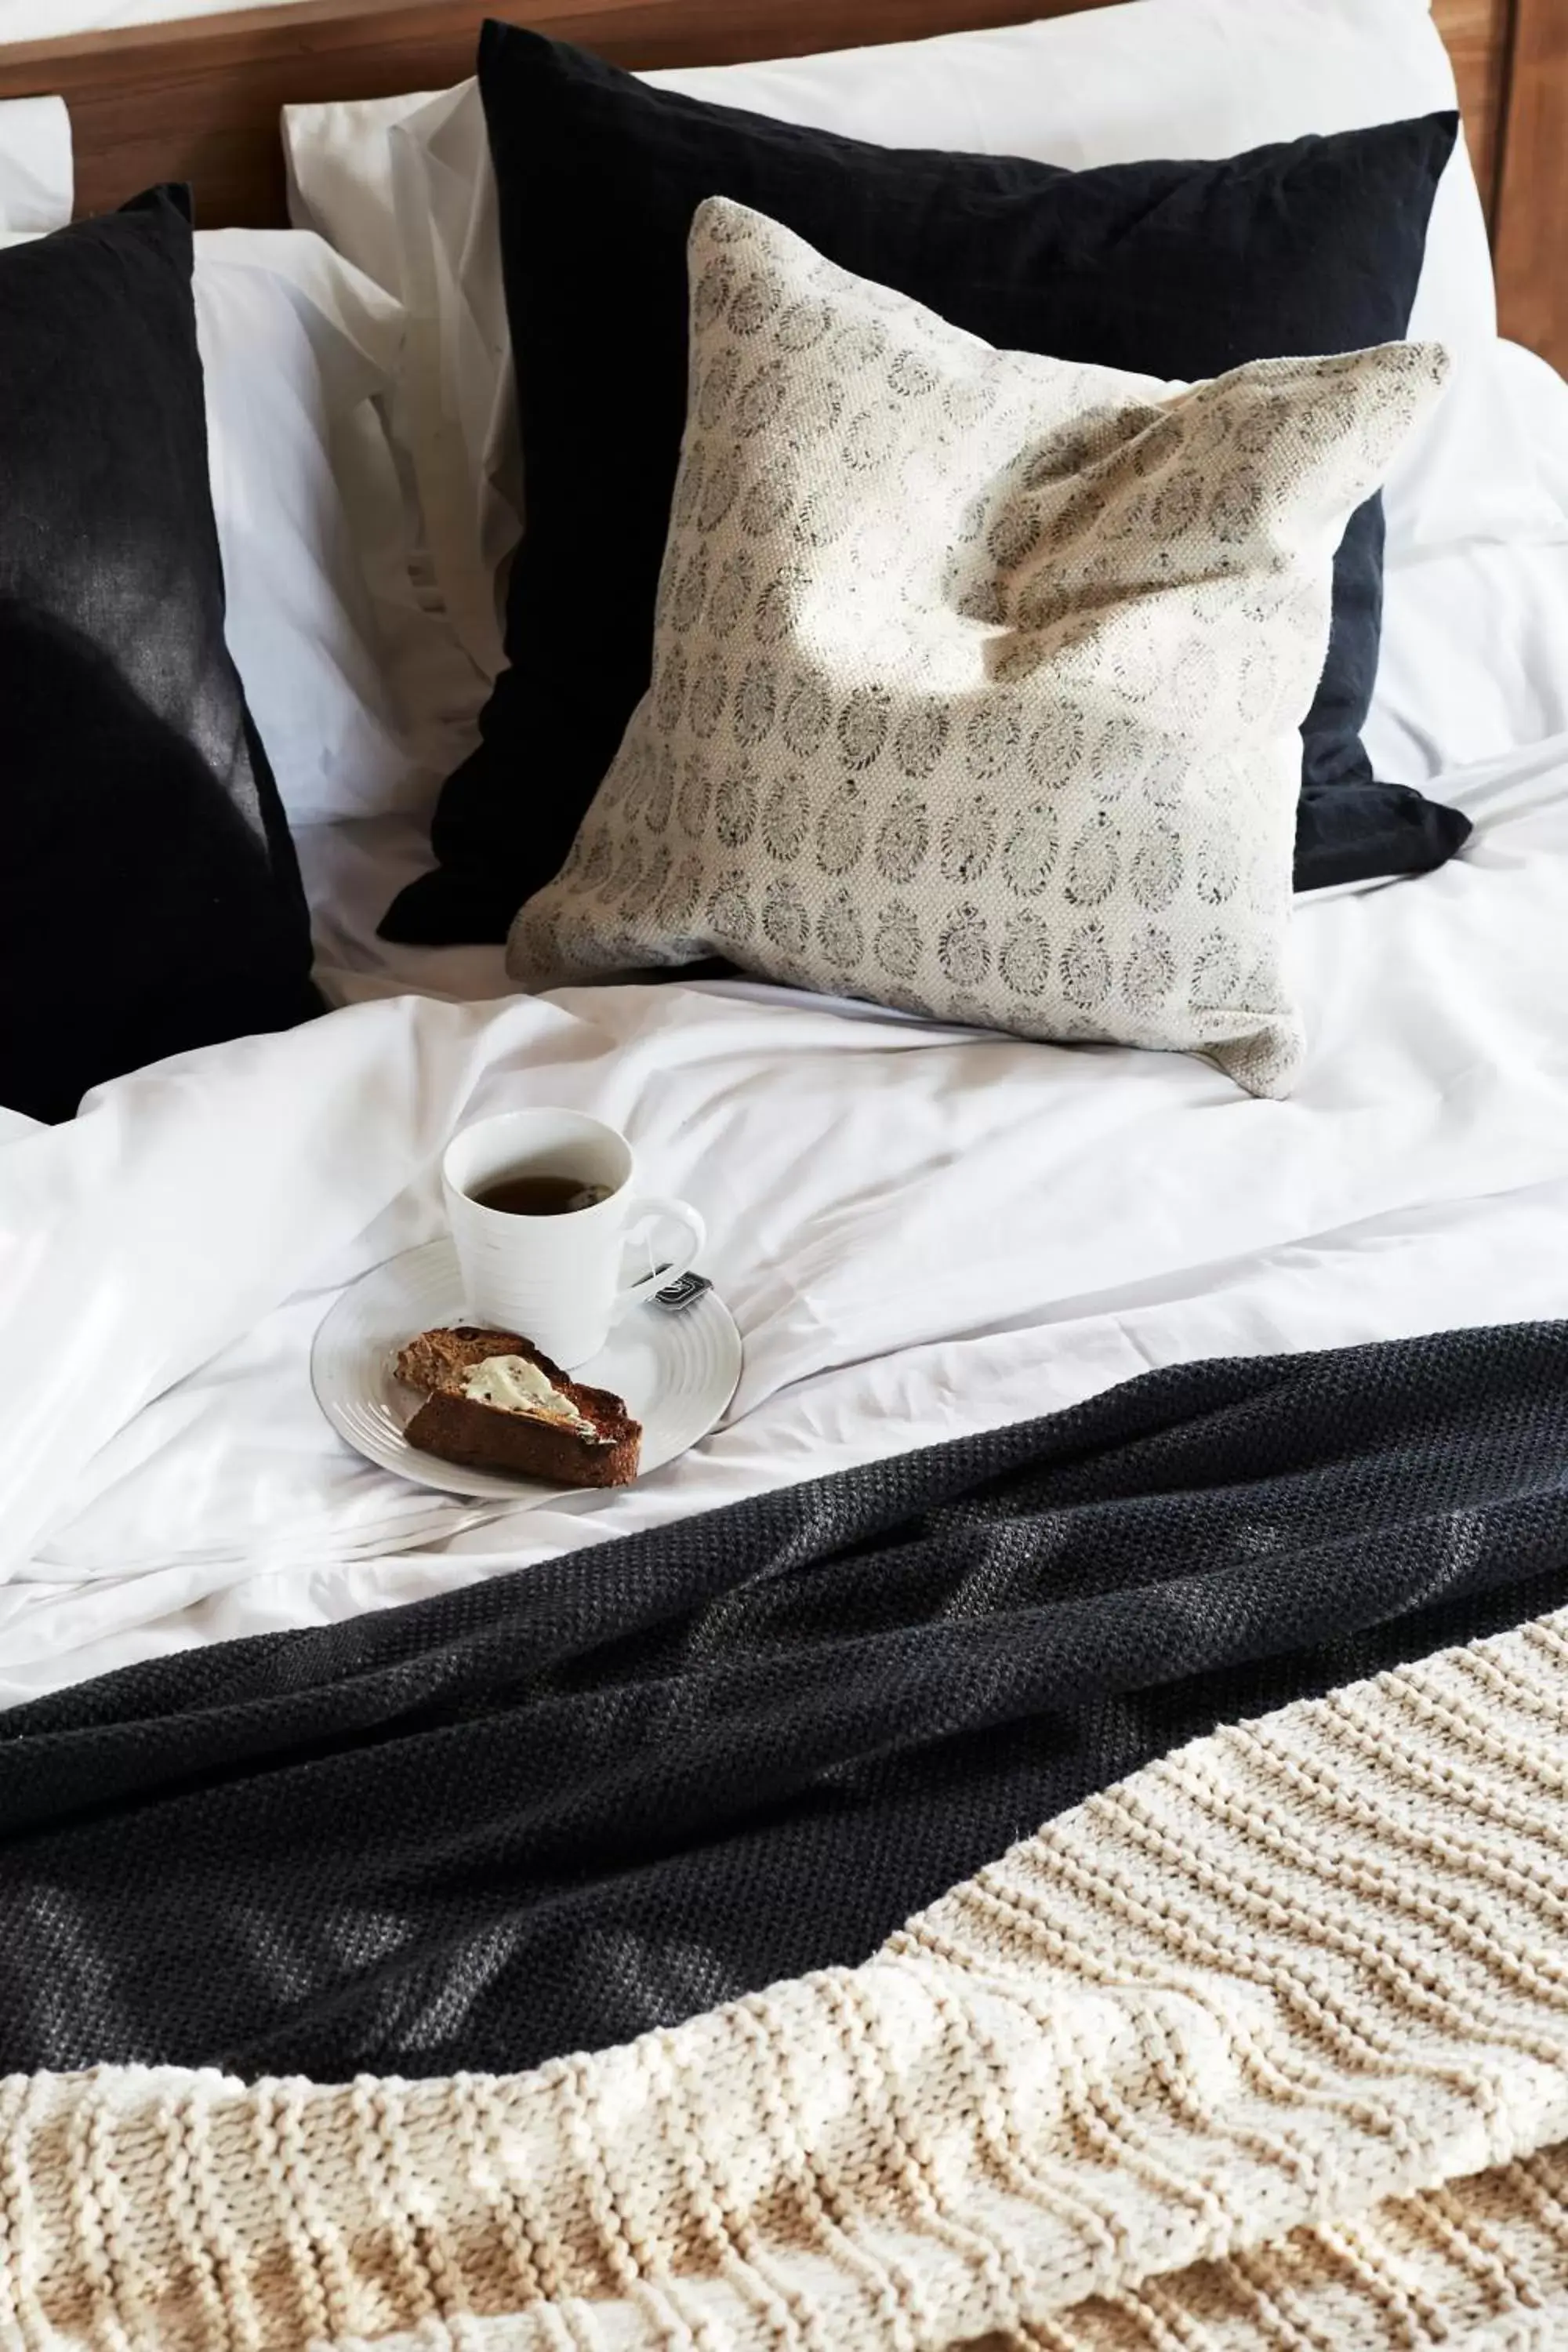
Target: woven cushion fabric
{"type": "Point", "coordinates": [977, 675]}
{"type": "Point", "coordinates": [150, 897]}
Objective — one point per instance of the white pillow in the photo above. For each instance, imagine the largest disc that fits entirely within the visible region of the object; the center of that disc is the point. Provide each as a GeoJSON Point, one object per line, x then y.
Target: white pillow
{"type": "Point", "coordinates": [351, 684]}
{"type": "Point", "coordinates": [338, 164]}
{"type": "Point", "coordinates": [1149, 78]}
{"type": "Point", "coordinates": [978, 677]}
{"type": "Point", "coordinates": [36, 165]}
{"type": "Point", "coordinates": [418, 214]}
{"type": "Point", "coordinates": [1475, 623]}
{"type": "Point", "coordinates": [459, 387]}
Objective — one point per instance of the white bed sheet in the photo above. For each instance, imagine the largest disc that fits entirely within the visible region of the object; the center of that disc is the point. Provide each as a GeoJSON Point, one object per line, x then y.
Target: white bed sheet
{"type": "Point", "coordinates": [921, 1231]}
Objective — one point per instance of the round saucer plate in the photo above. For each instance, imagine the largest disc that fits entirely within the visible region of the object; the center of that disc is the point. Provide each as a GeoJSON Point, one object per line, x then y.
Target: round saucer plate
{"type": "Point", "coordinates": [676, 1371]}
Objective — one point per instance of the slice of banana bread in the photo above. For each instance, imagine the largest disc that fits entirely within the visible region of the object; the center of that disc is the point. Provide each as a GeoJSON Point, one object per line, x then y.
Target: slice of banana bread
{"type": "Point", "coordinates": [492, 1401]}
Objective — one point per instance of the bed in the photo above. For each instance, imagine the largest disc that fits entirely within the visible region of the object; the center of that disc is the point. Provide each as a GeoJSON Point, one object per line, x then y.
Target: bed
{"type": "Point", "coordinates": [227, 72]}
{"type": "Point", "coordinates": [1115, 1452]}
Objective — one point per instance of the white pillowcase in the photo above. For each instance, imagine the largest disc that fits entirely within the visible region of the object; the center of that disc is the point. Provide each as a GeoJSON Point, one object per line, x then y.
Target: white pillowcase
{"type": "Point", "coordinates": [1475, 623]}
{"type": "Point", "coordinates": [359, 695]}
{"type": "Point", "coordinates": [1149, 78]}
{"type": "Point", "coordinates": [36, 165]}
{"type": "Point", "coordinates": [338, 163]}
{"type": "Point", "coordinates": [402, 187]}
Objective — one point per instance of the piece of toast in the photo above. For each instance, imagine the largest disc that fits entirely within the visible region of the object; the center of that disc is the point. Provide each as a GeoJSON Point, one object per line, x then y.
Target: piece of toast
{"type": "Point", "coordinates": [460, 1429]}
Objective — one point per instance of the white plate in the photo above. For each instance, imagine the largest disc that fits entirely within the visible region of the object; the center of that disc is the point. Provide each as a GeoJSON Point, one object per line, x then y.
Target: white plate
{"type": "Point", "coordinates": [676, 1373]}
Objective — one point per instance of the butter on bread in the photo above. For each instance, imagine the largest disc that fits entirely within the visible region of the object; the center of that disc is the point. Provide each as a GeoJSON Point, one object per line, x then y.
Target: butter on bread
{"type": "Point", "coordinates": [528, 1418]}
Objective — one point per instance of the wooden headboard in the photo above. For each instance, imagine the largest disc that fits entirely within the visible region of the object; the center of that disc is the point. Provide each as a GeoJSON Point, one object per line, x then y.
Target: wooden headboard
{"type": "Point", "coordinates": [199, 100]}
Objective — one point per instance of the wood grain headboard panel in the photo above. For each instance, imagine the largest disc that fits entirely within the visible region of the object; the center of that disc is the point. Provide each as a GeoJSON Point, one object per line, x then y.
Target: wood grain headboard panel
{"type": "Point", "coordinates": [199, 100]}
{"type": "Point", "coordinates": [1478, 34]}
{"type": "Point", "coordinates": [1529, 224]}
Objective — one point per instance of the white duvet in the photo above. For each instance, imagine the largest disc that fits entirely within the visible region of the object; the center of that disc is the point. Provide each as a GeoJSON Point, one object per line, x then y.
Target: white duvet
{"type": "Point", "coordinates": [919, 1231]}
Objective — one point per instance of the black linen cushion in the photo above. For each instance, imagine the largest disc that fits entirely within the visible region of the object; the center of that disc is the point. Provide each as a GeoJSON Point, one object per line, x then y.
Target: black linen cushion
{"type": "Point", "coordinates": [150, 899]}
{"type": "Point", "coordinates": [1172, 269]}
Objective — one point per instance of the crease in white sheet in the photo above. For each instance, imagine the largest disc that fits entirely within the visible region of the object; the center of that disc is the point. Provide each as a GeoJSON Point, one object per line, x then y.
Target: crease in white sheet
{"type": "Point", "coordinates": [921, 1231]}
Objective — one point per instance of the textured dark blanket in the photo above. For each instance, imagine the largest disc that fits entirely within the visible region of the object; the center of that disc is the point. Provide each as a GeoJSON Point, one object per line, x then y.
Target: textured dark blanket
{"type": "Point", "coordinates": [550, 1811]}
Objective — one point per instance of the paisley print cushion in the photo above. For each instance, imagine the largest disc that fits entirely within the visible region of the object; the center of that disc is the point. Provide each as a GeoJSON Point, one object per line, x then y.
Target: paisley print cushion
{"type": "Point", "coordinates": [978, 676]}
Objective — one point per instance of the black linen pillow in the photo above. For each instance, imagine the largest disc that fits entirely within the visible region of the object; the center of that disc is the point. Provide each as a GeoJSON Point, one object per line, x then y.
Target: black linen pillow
{"type": "Point", "coordinates": [1172, 269]}
{"type": "Point", "coordinates": [150, 899]}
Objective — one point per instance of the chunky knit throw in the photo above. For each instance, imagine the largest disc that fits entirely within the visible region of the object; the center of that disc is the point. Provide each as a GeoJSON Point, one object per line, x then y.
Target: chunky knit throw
{"type": "Point", "coordinates": [1266, 2045]}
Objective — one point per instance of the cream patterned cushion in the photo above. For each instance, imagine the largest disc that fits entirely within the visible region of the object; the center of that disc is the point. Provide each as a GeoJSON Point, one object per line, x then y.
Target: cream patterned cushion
{"type": "Point", "coordinates": [977, 676]}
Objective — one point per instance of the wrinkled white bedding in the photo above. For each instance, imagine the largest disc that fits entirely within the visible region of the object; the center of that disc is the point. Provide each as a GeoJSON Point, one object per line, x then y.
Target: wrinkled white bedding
{"type": "Point", "coordinates": [921, 1231]}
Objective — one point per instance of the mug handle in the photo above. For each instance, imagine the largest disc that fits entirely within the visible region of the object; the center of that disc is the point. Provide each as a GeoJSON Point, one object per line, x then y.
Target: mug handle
{"type": "Point", "coordinates": [680, 1213]}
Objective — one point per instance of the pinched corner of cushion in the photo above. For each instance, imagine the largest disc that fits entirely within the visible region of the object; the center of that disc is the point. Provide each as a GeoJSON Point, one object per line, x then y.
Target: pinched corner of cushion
{"type": "Point", "coordinates": [450, 907]}
{"type": "Point", "coordinates": [1368, 833]}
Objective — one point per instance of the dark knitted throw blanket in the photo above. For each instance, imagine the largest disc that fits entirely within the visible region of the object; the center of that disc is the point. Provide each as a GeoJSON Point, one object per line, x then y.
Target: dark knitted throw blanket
{"type": "Point", "coordinates": [551, 1810]}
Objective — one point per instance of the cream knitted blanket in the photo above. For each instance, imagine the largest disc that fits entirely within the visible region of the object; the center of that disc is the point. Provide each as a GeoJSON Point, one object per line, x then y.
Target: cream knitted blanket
{"type": "Point", "coordinates": [1259, 2048]}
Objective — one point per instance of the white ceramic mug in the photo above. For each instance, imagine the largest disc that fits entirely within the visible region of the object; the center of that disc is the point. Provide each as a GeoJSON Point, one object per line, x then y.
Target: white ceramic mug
{"type": "Point", "coordinates": [555, 1280]}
